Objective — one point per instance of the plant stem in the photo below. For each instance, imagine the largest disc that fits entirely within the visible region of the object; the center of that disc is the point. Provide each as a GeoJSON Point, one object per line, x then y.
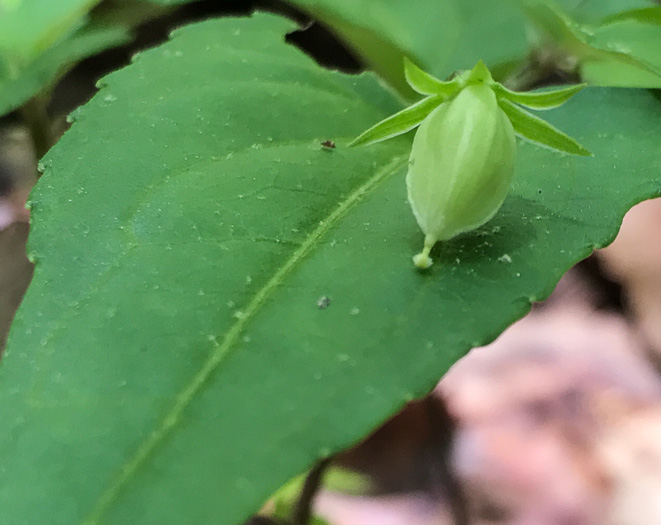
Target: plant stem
{"type": "Point", "coordinates": [442, 432]}
{"type": "Point", "coordinates": [303, 509]}
{"type": "Point", "coordinates": [35, 116]}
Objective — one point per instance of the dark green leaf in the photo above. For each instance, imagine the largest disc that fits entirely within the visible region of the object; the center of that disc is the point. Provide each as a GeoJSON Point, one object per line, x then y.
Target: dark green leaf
{"type": "Point", "coordinates": [170, 363]}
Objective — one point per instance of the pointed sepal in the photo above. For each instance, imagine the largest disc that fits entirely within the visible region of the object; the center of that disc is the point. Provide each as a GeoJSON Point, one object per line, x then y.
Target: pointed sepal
{"type": "Point", "coordinates": [399, 123]}
{"type": "Point", "coordinates": [539, 131]}
{"type": "Point", "coordinates": [538, 100]}
{"type": "Point", "coordinates": [426, 84]}
{"type": "Point", "coordinates": [480, 74]}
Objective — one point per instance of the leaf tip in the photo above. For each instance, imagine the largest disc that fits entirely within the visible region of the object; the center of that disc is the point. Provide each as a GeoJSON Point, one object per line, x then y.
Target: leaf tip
{"type": "Point", "coordinates": [580, 151]}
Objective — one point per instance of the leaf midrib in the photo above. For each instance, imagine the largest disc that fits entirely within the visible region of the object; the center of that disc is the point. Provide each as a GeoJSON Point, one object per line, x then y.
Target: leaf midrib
{"type": "Point", "coordinates": [128, 216]}
{"type": "Point", "coordinates": [182, 401]}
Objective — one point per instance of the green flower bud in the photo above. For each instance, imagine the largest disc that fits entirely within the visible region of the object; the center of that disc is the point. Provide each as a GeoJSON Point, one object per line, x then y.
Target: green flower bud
{"type": "Point", "coordinates": [461, 166]}
{"type": "Point", "coordinates": [462, 160]}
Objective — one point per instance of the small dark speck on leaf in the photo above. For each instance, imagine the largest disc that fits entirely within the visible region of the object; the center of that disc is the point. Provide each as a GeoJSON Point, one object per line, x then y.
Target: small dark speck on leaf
{"type": "Point", "coordinates": [323, 302]}
{"type": "Point", "coordinates": [328, 144]}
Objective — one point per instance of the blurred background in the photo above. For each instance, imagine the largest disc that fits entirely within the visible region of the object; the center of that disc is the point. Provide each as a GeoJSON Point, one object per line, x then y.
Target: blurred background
{"type": "Point", "coordinates": [558, 422]}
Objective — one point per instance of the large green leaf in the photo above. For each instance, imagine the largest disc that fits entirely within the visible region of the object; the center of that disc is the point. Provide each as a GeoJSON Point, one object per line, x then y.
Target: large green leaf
{"type": "Point", "coordinates": [170, 363]}
{"type": "Point", "coordinates": [441, 36]}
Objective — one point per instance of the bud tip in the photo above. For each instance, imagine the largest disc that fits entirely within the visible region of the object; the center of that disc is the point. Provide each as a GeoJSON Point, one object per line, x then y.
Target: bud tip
{"type": "Point", "coordinates": [422, 259]}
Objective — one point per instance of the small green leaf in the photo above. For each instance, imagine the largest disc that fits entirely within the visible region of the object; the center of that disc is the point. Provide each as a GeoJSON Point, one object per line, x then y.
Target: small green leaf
{"type": "Point", "coordinates": [541, 132]}
{"type": "Point", "coordinates": [647, 15]}
{"type": "Point", "coordinates": [21, 84]}
{"type": "Point", "coordinates": [400, 122]}
{"type": "Point", "coordinates": [553, 23]}
{"type": "Point", "coordinates": [426, 84]}
{"type": "Point", "coordinates": [35, 25]}
{"type": "Point", "coordinates": [538, 100]}
{"type": "Point", "coordinates": [618, 53]}
{"type": "Point", "coordinates": [594, 11]}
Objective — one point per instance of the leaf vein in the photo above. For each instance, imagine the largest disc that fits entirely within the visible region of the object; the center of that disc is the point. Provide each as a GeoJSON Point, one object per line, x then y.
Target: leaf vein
{"type": "Point", "coordinates": [219, 352]}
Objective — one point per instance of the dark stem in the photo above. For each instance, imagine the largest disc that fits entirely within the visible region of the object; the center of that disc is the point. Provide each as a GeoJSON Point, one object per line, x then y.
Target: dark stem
{"type": "Point", "coordinates": [523, 78]}
{"type": "Point", "coordinates": [303, 509]}
{"type": "Point", "coordinates": [442, 432]}
{"type": "Point", "coordinates": [35, 116]}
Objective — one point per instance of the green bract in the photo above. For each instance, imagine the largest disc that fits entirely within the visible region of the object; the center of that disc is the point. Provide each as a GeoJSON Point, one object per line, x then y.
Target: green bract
{"type": "Point", "coordinates": [462, 159]}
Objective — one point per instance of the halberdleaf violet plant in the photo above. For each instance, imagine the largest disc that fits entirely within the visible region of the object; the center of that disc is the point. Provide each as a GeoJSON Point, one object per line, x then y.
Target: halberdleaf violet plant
{"type": "Point", "coordinates": [462, 160]}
